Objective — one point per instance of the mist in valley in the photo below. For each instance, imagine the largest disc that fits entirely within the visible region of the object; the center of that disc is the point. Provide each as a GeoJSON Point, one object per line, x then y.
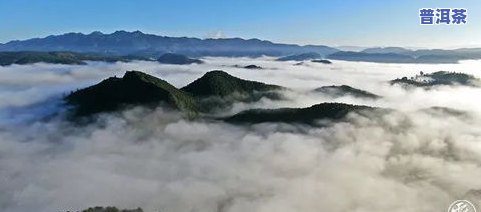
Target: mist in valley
{"type": "Point", "coordinates": [409, 159]}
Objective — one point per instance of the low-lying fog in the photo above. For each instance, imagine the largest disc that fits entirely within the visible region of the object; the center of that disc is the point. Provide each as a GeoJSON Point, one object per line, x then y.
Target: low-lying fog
{"type": "Point", "coordinates": [401, 161]}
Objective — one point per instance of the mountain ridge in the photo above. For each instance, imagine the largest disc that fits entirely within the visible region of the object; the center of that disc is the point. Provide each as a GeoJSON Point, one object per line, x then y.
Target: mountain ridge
{"type": "Point", "coordinates": [141, 44]}
{"type": "Point", "coordinates": [214, 89]}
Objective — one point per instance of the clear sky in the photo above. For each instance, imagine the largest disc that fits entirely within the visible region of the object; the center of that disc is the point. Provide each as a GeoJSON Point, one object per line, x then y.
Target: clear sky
{"type": "Point", "coordinates": [329, 22]}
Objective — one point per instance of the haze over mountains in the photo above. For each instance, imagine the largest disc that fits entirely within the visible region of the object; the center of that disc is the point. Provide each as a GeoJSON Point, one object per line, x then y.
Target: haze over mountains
{"type": "Point", "coordinates": [123, 43]}
{"type": "Point", "coordinates": [238, 106]}
{"type": "Point", "coordinates": [251, 156]}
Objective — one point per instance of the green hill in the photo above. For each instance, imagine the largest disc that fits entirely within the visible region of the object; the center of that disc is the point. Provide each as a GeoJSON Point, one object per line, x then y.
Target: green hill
{"type": "Point", "coordinates": [219, 90]}
{"type": "Point", "coordinates": [310, 115]}
{"type": "Point", "coordinates": [438, 78]}
{"type": "Point", "coordinates": [133, 88]}
{"type": "Point", "coordinates": [343, 90]}
{"type": "Point", "coordinates": [221, 84]}
{"type": "Point", "coordinates": [177, 59]}
{"type": "Point", "coordinates": [214, 90]}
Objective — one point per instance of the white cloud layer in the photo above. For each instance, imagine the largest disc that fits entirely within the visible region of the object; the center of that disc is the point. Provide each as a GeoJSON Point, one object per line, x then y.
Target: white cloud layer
{"type": "Point", "coordinates": [401, 161]}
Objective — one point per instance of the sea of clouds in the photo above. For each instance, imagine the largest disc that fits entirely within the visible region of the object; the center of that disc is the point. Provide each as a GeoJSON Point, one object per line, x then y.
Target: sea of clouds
{"type": "Point", "coordinates": [407, 160]}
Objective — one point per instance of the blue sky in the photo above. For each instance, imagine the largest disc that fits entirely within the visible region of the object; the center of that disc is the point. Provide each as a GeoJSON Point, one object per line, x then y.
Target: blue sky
{"type": "Point", "coordinates": [329, 22]}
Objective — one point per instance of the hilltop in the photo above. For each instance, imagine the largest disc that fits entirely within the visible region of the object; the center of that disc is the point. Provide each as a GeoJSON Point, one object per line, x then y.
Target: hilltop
{"type": "Point", "coordinates": [218, 89]}
{"type": "Point", "coordinates": [310, 115]}
{"type": "Point", "coordinates": [438, 78]}
{"type": "Point", "coordinates": [134, 88]}
{"type": "Point", "coordinates": [177, 59]}
{"type": "Point", "coordinates": [221, 84]}
{"type": "Point", "coordinates": [343, 90]}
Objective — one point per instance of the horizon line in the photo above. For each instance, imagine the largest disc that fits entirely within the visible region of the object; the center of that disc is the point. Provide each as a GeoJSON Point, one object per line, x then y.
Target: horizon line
{"type": "Point", "coordinates": [339, 46]}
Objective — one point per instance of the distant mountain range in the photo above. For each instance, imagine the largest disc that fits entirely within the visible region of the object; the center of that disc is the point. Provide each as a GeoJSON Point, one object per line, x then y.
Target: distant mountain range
{"type": "Point", "coordinates": [467, 52]}
{"type": "Point", "coordinates": [141, 45]}
{"type": "Point", "coordinates": [386, 50]}
{"type": "Point", "coordinates": [403, 55]}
